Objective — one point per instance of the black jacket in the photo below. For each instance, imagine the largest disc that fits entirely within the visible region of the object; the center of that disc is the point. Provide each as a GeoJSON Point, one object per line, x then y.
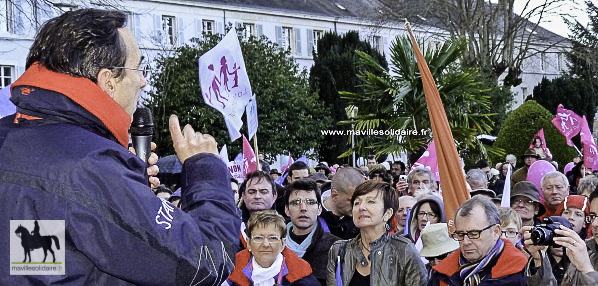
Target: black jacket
{"type": "Point", "coordinates": [317, 252]}
{"type": "Point", "coordinates": [341, 227]}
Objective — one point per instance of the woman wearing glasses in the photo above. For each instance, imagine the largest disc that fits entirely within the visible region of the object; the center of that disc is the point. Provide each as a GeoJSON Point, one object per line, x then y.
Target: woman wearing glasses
{"type": "Point", "coordinates": [374, 257]}
{"type": "Point", "coordinates": [267, 261]}
{"type": "Point", "coordinates": [428, 209]}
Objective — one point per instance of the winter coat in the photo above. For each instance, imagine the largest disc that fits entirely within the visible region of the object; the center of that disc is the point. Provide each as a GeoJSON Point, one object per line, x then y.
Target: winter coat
{"type": "Point", "coordinates": [295, 271]}
{"type": "Point", "coordinates": [543, 274]}
{"type": "Point", "coordinates": [520, 175]}
{"type": "Point", "coordinates": [394, 261]}
{"type": "Point", "coordinates": [340, 227]}
{"type": "Point", "coordinates": [507, 270]}
{"type": "Point", "coordinates": [63, 156]}
{"type": "Point", "coordinates": [412, 222]}
{"type": "Point", "coordinates": [317, 252]}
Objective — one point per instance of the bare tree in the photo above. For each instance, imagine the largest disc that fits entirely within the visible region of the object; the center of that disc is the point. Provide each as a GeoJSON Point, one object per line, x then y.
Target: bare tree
{"type": "Point", "coordinates": [499, 40]}
{"type": "Point", "coordinates": [17, 15]}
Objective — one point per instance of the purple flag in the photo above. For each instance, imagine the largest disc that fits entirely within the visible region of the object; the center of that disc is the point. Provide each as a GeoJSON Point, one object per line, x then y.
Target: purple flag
{"type": "Point", "coordinates": [428, 160]}
{"type": "Point", "coordinates": [567, 122]}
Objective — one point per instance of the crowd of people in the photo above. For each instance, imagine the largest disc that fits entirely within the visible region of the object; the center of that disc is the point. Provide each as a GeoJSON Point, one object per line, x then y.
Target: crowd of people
{"type": "Point", "coordinates": [65, 157]}
{"type": "Point", "coordinates": [385, 224]}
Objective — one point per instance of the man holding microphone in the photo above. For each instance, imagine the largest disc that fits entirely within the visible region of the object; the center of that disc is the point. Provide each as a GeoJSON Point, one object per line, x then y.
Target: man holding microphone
{"type": "Point", "coordinates": [63, 157]}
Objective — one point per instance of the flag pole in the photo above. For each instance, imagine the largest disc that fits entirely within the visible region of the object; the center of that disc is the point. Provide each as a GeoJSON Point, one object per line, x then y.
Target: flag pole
{"type": "Point", "coordinates": [259, 167]}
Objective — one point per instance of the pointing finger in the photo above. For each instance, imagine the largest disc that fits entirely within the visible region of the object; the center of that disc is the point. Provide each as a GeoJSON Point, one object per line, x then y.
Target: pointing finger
{"type": "Point", "coordinates": [175, 130]}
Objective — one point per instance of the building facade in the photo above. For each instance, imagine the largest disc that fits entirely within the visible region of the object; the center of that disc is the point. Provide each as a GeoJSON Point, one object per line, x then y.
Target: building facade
{"type": "Point", "coordinates": [161, 26]}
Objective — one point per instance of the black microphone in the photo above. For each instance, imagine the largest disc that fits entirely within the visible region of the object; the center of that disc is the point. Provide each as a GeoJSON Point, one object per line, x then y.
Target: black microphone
{"type": "Point", "coordinates": [142, 129]}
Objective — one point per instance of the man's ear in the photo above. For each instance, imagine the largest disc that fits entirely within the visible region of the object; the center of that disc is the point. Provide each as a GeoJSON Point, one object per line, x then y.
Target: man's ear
{"type": "Point", "coordinates": [106, 81]}
{"type": "Point", "coordinates": [333, 193]}
{"type": "Point", "coordinates": [286, 211]}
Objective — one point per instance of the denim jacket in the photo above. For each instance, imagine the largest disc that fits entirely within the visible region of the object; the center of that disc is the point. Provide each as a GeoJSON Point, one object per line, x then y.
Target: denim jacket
{"type": "Point", "coordinates": [394, 261]}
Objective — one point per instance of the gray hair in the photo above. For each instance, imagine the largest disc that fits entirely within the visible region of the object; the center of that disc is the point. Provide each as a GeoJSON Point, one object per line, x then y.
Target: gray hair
{"type": "Point", "coordinates": [555, 174]}
{"type": "Point", "coordinates": [589, 182]}
{"type": "Point", "coordinates": [485, 203]}
{"type": "Point", "coordinates": [511, 157]}
{"type": "Point", "coordinates": [477, 176]}
{"type": "Point", "coordinates": [420, 171]}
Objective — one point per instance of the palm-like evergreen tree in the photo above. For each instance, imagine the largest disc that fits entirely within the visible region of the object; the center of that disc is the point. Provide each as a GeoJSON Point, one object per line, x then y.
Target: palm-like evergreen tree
{"type": "Point", "coordinates": [396, 100]}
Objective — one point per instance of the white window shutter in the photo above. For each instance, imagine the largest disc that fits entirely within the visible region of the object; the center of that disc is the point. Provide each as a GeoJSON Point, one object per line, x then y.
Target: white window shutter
{"type": "Point", "coordinates": [198, 27]}
{"type": "Point", "coordinates": [278, 30]}
{"type": "Point", "coordinates": [298, 42]}
{"type": "Point", "coordinates": [310, 42]}
{"type": "Point", "coordinates": [181, 29]}
{"type": "Point", "coordinates": [157, 34]}
{"type": "Point", "coordinates": [260, 30]}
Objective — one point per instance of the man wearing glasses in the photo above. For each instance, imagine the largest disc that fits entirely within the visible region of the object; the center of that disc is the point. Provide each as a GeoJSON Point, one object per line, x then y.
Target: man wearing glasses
{"type": "Point", "coordinates": [65, 158]}
{"type": "Point", "coordinates": [305, 234]}
{"type": "Point", "coordinates": [483, 258]}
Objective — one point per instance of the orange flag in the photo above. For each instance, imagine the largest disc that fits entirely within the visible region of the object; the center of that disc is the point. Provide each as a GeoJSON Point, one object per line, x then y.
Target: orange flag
{"type": "Point", "coordinates": [454, 190]}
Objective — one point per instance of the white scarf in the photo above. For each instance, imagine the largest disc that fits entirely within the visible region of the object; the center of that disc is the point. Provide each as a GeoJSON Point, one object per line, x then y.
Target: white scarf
{"type": "Point", "coordinates": [264, 276]}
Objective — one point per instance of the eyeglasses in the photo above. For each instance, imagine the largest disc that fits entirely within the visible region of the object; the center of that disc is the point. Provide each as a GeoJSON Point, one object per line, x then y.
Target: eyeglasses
{"type": "Point", "coordinates": [143, 68]}
{"type": "Point", "coordinates": [590, 218]}
{"type": "Point", "coordinates": [308, 202]}
{"type": "Point", "coordinates": [510, 233]}
{"type": "Point", "coordinates": [261, 239]}
{"type": "Point", "coordinates": [522, 201]}
{"type": "Point", "coordinates": [472, 234]}
{"type": "Point", "coordinates": [429, 215]}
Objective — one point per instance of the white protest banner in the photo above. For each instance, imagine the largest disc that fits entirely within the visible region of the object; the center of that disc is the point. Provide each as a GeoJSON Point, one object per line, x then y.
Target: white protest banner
{"type": "Point", "coordinates": [224, 82]}
{"type": "Point", "coordinates": [224, 154]}
{"type": "Point", "coordinates": [251, 112]}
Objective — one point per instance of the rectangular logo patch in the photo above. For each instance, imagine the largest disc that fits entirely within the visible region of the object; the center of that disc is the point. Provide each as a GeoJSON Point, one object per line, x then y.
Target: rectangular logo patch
{"type": "Point", "coordinates": [37, 247]}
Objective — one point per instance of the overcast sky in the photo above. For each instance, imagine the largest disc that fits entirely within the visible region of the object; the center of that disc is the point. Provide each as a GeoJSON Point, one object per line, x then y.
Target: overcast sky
{"type": "Point", "coordinates": [554, 23]}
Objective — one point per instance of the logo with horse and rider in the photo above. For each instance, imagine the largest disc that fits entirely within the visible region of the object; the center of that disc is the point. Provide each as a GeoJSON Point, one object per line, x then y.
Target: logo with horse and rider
{"type": "Point", "coordinates": [37, 247]}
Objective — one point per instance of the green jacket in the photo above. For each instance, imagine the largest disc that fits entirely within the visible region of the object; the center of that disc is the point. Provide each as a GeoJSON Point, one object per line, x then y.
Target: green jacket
{"type": "Point", "coordinates": [519, 175]}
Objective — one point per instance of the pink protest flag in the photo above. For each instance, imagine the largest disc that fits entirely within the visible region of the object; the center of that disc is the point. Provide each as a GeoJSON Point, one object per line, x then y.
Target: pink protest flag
{"type": "Point", "coordinates": [540, 135]}
{"type": "Point", "coordinates": [284, 168]}
{"type": "Point", "coordinates": [249, 160]}
{"type": "Point", "coordinates": [585, 133]}
{"type": "Point", "coordinates": [428, 160]}
{"type": "Point", "coordinates": [590, 153]}
{"type": "Point", "coordinates": [567, 122]}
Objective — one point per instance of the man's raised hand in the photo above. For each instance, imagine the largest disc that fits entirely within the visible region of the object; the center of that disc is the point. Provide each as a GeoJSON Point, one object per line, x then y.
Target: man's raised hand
{"type": "Point", "coordinates": [188, 143]}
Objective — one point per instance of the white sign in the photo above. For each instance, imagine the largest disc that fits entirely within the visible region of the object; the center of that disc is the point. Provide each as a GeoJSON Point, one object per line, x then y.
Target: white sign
{"type": "Point", "coordinates": [236, 170]}
{"type": "Point", "coordinates": [251, 112]}
{"type": "Point", "coordinates": [224, 82]}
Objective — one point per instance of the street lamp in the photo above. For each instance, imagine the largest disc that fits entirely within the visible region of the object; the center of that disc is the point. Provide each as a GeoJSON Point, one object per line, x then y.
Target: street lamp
{"type": "Point", "coordinates": [351, 111]}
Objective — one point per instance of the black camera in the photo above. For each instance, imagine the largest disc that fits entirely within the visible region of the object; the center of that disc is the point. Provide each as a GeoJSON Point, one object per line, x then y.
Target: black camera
{"type": "Point", "coordinates": [544, 234]}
